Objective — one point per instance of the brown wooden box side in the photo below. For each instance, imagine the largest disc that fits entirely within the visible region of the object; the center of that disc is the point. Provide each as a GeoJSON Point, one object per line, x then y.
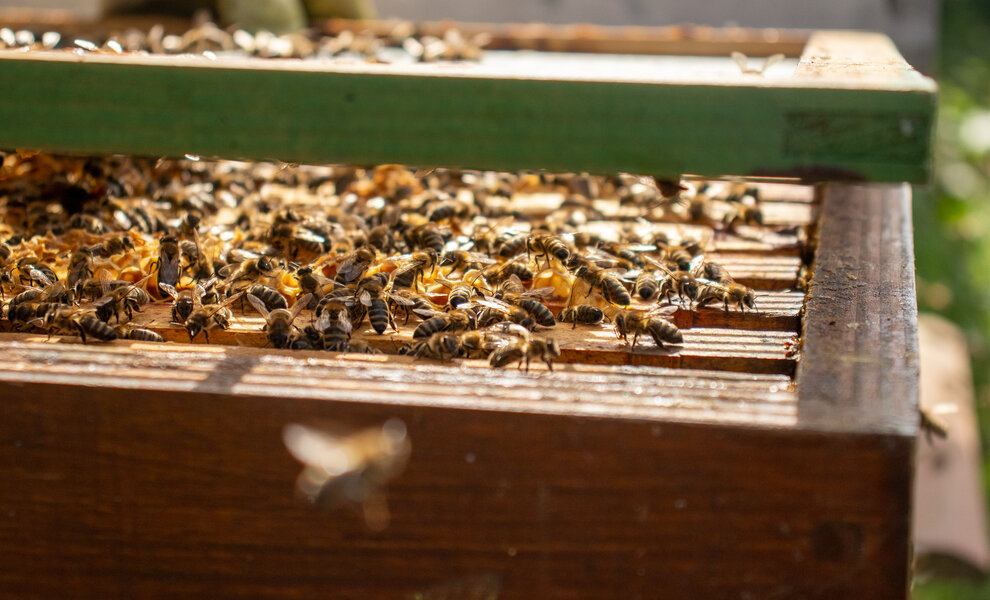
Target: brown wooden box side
{"type": "Point", "coordinates": [858, 369]}
{"type": "Point", "coordinates": [157, 494]}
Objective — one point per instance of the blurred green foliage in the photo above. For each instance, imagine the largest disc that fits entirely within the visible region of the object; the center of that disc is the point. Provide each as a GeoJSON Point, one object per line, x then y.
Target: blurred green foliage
{"type": "Point", "coordinates": [952, 221]}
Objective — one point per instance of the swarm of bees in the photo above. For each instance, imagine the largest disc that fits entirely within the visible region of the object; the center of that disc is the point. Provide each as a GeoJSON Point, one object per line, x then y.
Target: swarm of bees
{"type": "Point", "coordinates": [88, 243]}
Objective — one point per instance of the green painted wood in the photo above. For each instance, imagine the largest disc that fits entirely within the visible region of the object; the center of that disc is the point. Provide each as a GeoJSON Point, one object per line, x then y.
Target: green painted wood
{"type": "Point", "coordinates": [296, 112]}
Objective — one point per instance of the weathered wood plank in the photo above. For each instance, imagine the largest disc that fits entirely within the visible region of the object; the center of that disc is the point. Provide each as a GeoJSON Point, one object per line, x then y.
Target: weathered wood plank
{"type": "Point", "coordinates": [128, 491]}
{"type": "Point", "coordinates": [253, 108]}
{"type": "Point", "coordinates": [587, 38]}
{"type": "Point", "coordinates": [585, 389]}
{"type": "Point", "coordinates": [859, 362]}
{"type": "Point", "coordinates": [741, 350]}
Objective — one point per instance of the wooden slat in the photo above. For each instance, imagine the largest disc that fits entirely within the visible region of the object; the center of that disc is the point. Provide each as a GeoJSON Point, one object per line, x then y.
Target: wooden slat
{"type": "Point", "coordinates": [675, 39]}
{"type": "Point", "coordinates": [718, 349]}
{"type": "Point", "coordinates": [161, 486]}
{"type": "Point", "coordinates": [859, 362]}
{"type": "Point", "coordinates": [588, 389]}
{"type": "Point", "coordinates": [429, 115]}
{"type": "Point", "coordinates": [848, 57]}
{"type": "Point", "coordinates": [761, 271]}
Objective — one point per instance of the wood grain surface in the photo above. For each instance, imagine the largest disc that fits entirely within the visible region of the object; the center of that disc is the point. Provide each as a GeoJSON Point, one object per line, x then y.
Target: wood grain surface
{"type": "Point", "coordinates": [816, 126]}
{"type": "Point", "coordinates": [859, 360]}
{"type": "Point", "coordinates": [183, 488]}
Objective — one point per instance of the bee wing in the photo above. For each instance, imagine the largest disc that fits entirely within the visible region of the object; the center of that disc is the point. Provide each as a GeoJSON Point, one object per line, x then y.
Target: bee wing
{"type": "Point", "coordinates": [169, 289]}
{"type": "Point", "coordinates": [259, 305]}
{"type": "Point", "coordinates": [309, 236]}
{"type": "Point", "coordinates": [344, 321]}
{"type": "Point", "coordinates": [352, 266]}
{"type": "Point", "coordinates": [239, 255]}
{"type": "Point", "coordinates": [662, 311]}
{"type": "Point", "coordinates": [226, 303]}
{"type": "Point", "coordinates": [322, 321]}
{"type": "Point", "coordinates": [740, 59]}
{"type": "Point", "coordinates": [696, 262]}
{"type": "Point", "coordinates": [170, 261]}
{"type": "Point", "coordinates": [515, 281]}
{"type": "Point", "coordinates": [658, 264]}
{"type": "Point", "coordinates": [479, 257]}
{"type": "Point", "coordinates": [409, 266]}
{"type": "Point", "coordinates": [426, 313]}
{"type": "Point", "coordinates": [228, 270]}
{"type": "Point", "coordinates": [543, 292]}
{"type": "Point", "coordinates": [511, 329]}
{"type": "Point", "coordinates": [771, 61]}
{"type": "Point", "coordinates": [105, 282]}
{"type": "Point", "coordinates": [400, 300]}
{"type": "Point", "coordinates": [318, 449]}
{"type": "Point", "coordinates": [365, 298]}
{"type": "Point", "coordinates": [492, 303]}
{"type": "Point", "coordinates": [40, 277]}
{"type": "Point", "coordinates": [301, 303]}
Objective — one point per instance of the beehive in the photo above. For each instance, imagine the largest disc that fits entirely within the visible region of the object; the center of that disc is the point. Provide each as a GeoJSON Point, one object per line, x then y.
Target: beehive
{"type": "Point", "coordinates": [770, 455]}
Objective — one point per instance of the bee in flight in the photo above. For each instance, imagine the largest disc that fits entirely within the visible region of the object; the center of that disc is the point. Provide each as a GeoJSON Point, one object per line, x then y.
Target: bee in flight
{"type": "Point", "coordinates": [341, 469]}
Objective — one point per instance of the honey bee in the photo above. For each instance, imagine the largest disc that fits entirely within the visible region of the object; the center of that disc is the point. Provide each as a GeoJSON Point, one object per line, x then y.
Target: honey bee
{"type": "Point", "coordinates": [208, 317]}
{"type": "Point", "coordinates": [683, 283]}
{"type": "Point", "coordinates": [354, 265]}
{"type": "Point", "coordinates": [31, 269]}
{"type": "Point", "coordinates": [743, 214]}
{"type": "Point", "coordinates": [451, 209]}
{"type": "Point", "coordinates": [373, 294]}
{"type": "Point", "coordinates": [458, 319]}
{"type": "Point", "coordinates": [278, 323]}
{"type": "Point", "coordinates": [624, 252]}
{"type": "Point", "coordinates": [426, 237]}
{"type": "Point", "coordinates": [512, 246]}
{"type": "Point", "coordinates": [380, 237]}
{"type": "Point", "coordinates": [647, 286]}
{"type": "Point", "coordinates": [585, 314]}
{"type": "Point", "coordinates": [714, 272]}
{"type": "Point", "coordinates": [478, 343]}
{"type": "Point", "coordinates": [417, 264]}
{"type": "Point", "coordinates": [604, 281]}
{"type": "Point", "coordinates": [699, 206]}
{"type": "Point", "coordinates": [272, 299]}
{"type": "Point", "coordinates": [440, 345]}
{"type": "Point", "coordinates": [80, 267]}
{"type": "Point", "coordinates": [112, 246]}
{"type": "Point", "coordinates": [731, 293]}
{"type": "Point", "coordinates": [128, 331]}
{"type": "Point", "coordinates": [463, 260]}
{"type": "Point", "coordinates": [126, 299]}
{"type": "Point", "coordinates": [498, 273]}
{"type": "Point", "coordinates": [547, 246]}
{"type": "Point", "coordinates": [338, 305]}
{"type": "Point", "coordinates": [168, 263]}
{"type": "Point", "coordinates": [184, 302]}
{"type": "Point", "coordinates": [639, 322]}
{"type": "Point", "coordinates": [83, 322]}
{"type": "Point", "coordinates": [310, 282]}
{"type": "Point", "coordinates": [332, 334]}
{"type": "Point", "coordinates": [513, 293]}
{"type": "Point", "coordinates": [290, 238]}
{"type": "Point", "coordinates": [353, 468]}
{"type": "Point", "coordinates": [253, 266]}
{"type": "Point", "coordinates": [460, 294]}
{"type": "Point", "coordinates": [524, 349]}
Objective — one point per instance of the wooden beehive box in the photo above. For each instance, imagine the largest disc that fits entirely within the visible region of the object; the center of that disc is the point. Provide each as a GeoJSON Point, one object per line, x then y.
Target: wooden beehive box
{"type": "Point", "coordinates": [771, 456]}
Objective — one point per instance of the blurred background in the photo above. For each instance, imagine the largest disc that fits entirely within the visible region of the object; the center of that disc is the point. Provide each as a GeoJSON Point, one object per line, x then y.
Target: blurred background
{"type": "Point", "coordinates": [946, 39]}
